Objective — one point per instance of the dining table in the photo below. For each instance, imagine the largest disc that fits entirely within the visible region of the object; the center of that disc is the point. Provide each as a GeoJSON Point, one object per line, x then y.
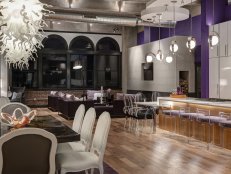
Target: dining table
{"type": "Point", "coordinates": [51, 124]}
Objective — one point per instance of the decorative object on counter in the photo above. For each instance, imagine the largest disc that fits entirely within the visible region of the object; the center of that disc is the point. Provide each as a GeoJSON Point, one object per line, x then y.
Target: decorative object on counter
{"type": "Point", "coordinates": [15, 121]}
{"type": "Point", "coordinates": [184, 86]}
{"type": "Point", "coordinates": [213, 36]}
{"type": "Point", "coordinates": [178, 93]}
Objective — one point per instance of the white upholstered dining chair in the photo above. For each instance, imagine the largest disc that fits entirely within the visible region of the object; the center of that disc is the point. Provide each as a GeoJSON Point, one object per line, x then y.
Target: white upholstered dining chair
{"type": "Point", "coordinates": [27, 151]}
{"type": "Point", "coordinates": [80, 161]}
{"type": "Point", "coordinates": [11, 107]}
{"type": "Point", "coordinates": [78, 119]}
{"type": "Point", "coordinates": [85, 135]}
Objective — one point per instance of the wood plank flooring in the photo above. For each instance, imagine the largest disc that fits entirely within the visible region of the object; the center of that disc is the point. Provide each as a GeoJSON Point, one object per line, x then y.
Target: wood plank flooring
{"type": "Point", "coordinates": [160, 153]}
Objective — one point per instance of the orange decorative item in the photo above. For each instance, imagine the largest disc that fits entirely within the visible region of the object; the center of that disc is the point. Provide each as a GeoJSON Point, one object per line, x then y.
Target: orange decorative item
{"type": "Point", "coordinates": [18, 122]}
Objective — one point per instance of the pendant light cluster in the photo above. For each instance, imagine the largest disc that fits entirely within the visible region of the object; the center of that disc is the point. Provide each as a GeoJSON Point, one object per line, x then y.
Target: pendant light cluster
{"type": "Point", "coordinates": [213, 39]}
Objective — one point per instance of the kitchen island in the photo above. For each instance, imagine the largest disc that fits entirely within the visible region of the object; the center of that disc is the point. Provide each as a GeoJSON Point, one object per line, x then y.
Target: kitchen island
{"type": "Point", "coordinates": [202, 119]}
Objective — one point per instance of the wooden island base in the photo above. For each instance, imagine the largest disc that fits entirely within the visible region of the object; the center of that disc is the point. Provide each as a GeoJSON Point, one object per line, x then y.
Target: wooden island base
{"type": "Point", "coordinates": [203, 131]}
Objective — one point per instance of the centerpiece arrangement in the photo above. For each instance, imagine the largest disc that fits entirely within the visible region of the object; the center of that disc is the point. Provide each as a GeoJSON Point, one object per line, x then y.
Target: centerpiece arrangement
{"type": "Point", "coordinates": [18, 121]}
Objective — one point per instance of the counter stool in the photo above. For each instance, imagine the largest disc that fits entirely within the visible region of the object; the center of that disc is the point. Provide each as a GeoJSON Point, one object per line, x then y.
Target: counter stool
{"type": "Point", "coordinates": [203, 117]}
{"type": "Point", "coordinates": [172, 114]}
{"type": "Point", "coordinates": [224, 123]}
{"type": "Point", "coordinates": [184, 118]}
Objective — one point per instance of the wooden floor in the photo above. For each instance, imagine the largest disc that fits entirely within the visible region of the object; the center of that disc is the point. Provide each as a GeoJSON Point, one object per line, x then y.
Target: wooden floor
{"type": "Point", "coordinates": [160, 153]}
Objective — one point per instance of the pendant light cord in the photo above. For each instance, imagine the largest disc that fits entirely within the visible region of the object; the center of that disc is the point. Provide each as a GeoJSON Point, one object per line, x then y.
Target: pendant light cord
{"type": "Point", "coordinates": [174, 17]}
{"type": "Point", "coordinates": [159, 31]}
{"type": "Point", "coordinates": [191, 18]}
{"type": "Point", "coordinates": [213, 16]}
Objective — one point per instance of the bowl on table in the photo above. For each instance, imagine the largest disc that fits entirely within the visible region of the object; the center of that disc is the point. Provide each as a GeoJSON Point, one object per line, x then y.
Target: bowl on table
{"type": "Point", "coordinates": [18, 121]}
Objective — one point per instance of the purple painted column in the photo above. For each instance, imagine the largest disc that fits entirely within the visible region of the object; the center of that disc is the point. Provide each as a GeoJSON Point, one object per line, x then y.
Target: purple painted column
{"type": "Point", "coordinates": [205, 6]}
{"type": "Point", "coordinates": [140, 38]}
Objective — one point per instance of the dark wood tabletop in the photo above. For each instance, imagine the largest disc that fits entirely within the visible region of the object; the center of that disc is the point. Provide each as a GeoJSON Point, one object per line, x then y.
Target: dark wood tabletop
{"type": "Point", "coordinates": [62, 132]}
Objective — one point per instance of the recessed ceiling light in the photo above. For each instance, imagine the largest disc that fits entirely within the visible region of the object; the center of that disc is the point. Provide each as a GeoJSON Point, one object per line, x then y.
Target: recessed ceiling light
{"type": "Point", "coordinates": [58, 23]}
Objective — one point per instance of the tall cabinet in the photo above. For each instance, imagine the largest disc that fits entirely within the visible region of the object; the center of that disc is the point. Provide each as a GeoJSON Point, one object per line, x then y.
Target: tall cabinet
{"type": "Point", "coordinates": [220, 63]}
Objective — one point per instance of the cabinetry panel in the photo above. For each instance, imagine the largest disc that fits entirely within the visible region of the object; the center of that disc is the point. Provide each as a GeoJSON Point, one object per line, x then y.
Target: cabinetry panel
{"type": "Point", "coordinates": [223, 33]}
{"type": "Point", "coordinates": [225, 77]}
{"type": "Point", "coordinates": [214, 78]}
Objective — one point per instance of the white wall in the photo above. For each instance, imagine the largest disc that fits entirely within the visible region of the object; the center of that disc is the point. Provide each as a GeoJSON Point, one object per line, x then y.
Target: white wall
{"type": "Point", "coordinates": [94, 37]}
{"type": "Point", "coordinates": [3, 77]}
{"type": "Point", "coordinates": [165, 76]}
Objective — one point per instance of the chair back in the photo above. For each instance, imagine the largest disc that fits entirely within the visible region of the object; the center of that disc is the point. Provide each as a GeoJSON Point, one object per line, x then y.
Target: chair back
{"type": "Point", "coordinates": [87, 127]}
{"type": "Point", "coordinates": [204, 112]}
{"type": "Point", "coordinates": [126, 104]}
{"type": "Point", "coordinates": [3, 101]}
{"type": "Point", "coordinates": [27, 151]}
{"type": "Point", "coordinates": [11, 107]}
{"type": "Point", "coordinates": [101, 134]}
{"type": "Point", "coordinates": [139, 97]}
{"type": "Point", "coordinates": [78, 120]}
{"type": "Point", "coordinates": [227, 116]}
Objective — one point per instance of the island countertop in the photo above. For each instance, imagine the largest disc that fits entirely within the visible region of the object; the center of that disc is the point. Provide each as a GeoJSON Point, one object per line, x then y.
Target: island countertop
{"type": "Point", "coordinates": [198, 101]}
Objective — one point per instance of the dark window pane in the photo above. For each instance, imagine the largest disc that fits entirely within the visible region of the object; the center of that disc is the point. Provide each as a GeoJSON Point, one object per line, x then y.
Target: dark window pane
{"type": "Point", "coordinates": [26, 77]}
{"type": "Point", "coordinates": [82, 78]}
{"type": "Point", "coordinates": [81, 43]}
{"type": "Point", "coordinates": [54, 71]}
{"type": "Point", "coordinates": [107, 44]}
{"type": "Point", "coordinates": [55, 42]}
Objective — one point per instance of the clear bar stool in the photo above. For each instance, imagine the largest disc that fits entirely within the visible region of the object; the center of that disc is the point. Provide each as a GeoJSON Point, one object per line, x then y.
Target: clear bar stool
{"type": "Point", "coordinates": [185, 118]}
{"type": "Point", "coordinates": [203, 117]}
{"type": "Point", "coordinates": [173, 114]}
{"type": "Point", "coordinates": [225, 122]}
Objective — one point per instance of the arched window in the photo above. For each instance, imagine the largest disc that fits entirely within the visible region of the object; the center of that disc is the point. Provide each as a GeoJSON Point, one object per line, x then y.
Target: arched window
{"type": "Point", "coordinates": [55, 42]}
{"type": "Point", "coordinates": [81, 43]}
{"type": "Point", "coordinates": [107, 44]}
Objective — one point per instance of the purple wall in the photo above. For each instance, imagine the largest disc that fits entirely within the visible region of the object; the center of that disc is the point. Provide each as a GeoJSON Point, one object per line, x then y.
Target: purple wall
{"type": "Point", "coordinates": [140, 38]}
{"type": "Point", "coordinates": [228, 13]}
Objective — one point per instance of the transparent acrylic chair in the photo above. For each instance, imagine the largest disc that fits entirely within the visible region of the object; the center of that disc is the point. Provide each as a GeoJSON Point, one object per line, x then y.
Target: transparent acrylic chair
{"type": "Point", "coordinates": [224, 123]}
{"type": "Point", "coordinates": [202, 120]}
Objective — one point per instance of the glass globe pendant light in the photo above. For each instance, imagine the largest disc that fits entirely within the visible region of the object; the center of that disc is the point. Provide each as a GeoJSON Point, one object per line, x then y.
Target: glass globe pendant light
{"type": "Point", "coordinates": [169, 57]}
{"type": "Point", "coordinates": [191, 43]}
{"type": "Point", "coordinates": [159, 55]}
{"type": "Point", "coordinates": [213, 36]}
{"type": "Point", "coordinates": [174, 47]}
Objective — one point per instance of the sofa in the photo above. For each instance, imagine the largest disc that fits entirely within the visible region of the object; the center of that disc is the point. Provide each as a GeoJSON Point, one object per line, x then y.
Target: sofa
{"type": "Point", "coordinates": [67, 104]}
{"type": "Point", "coordinates": [67, 108]}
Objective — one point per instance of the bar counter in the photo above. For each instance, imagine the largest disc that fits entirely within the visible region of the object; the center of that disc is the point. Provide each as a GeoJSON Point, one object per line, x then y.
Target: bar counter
{"type": "Point", "coordinates": [198, 101]}
{"type": "Point", "coordinates": [217, 133]}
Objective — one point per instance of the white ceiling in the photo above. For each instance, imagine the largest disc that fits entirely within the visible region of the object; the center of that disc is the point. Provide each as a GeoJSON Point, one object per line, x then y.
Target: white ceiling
{"type": "Point", "coordinates": [179, 3]}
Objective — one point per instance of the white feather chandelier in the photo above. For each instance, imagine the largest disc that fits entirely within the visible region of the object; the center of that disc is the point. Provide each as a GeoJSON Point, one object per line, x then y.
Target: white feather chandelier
{"type": "Point", "coordinates": [21, 30]}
